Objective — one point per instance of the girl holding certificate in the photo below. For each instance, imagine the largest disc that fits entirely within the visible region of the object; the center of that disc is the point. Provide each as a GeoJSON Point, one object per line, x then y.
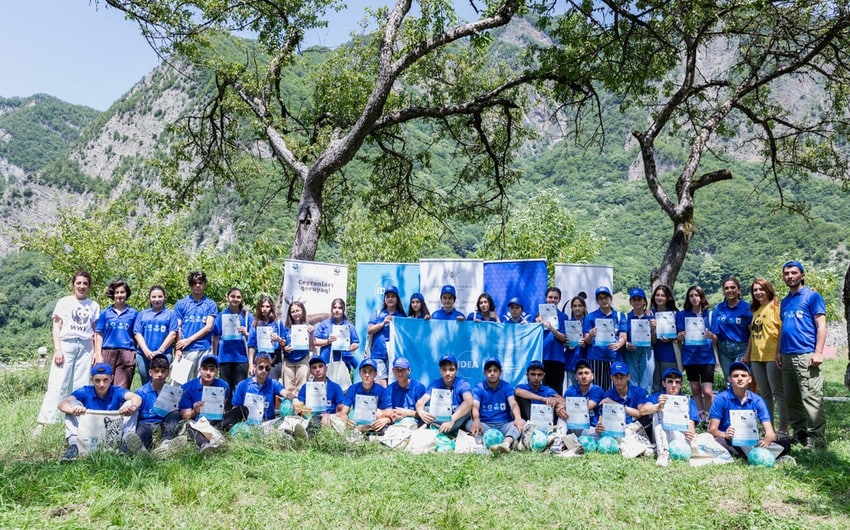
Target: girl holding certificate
{"type": "Point", "coordinates": [664, 332]}
{"type": "Point", "coordinates": [638, 353]}
{"type": "Point", "coordinates": [486, 310]}
{"type": "Point", "coordinates": [230, 340]}
{"type": "Point", "coordinates": [379, 329]}
{"type": "Point", "coordinates": [267, 335]}
{"type": "Point", "coordinates": [338, 341]}
{"type": "Point", "coordinates": [762, 349]}
{"type": "Point", "coordinates": [693, 324]}
{"type": "Point", "coordinates": [574, 347]}
{"type": "Point", "coordinates": [155, 331]}
{"type": "Point", "coordinates": [605, 332]}
{"type": "Point", "coordinates": [300, 344]}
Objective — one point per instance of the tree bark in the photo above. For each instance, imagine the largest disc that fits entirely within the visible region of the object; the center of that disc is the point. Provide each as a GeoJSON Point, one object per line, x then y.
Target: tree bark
{"type": "Point", "coordinates": [677, 249]}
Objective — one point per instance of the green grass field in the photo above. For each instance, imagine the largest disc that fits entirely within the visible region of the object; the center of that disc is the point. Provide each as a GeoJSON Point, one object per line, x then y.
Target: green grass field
{"type": "Point", "coordinates": [262, 483]}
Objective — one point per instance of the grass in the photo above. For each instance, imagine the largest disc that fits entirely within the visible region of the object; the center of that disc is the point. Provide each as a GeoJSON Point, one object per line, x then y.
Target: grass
{"type": "Point", "coordinates": [263, 483]}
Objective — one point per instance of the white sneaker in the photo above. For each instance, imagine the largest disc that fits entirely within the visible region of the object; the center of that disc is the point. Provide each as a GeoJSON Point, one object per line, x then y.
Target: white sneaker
{"type": "Point", "coordinates": [337, 423]}
{"type": "Point", "coordinates": [500, 448]}
{"type": "Point", "coordinates": [169, 447]}
{"type": "Point", "coordinates": [300, 432]}
{"type": "Point", "coordinates": [134, 443]}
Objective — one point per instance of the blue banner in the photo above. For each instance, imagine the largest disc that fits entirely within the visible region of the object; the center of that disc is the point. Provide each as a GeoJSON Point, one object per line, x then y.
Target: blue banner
{"type": "Point", "coordinates": [423, 342]}
{"type": "Point", "coordinates": [524, 279]}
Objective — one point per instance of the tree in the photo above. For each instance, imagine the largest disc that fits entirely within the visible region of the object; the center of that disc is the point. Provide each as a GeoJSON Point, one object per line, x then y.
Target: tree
{"type": "Point", "coordinates": [717, 77]}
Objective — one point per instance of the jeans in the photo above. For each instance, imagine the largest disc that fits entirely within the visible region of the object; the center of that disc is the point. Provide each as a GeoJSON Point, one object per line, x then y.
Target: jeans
{"type": "Point", "coordinates": [507, 428]}
{"type": "Point", "coordinates": [641, 362]}
{"type": "Point", "coordinates": [74, 373]}
{"type": "Point", "coordinates": [729, 352]}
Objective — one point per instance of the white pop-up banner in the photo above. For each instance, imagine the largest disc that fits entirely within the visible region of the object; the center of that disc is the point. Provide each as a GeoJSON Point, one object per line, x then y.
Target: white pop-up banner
{"type": "Point", "coordinates": [574, 279]}
{"type": "Point", "coordinates": [467, 276]}
{"type": "Point", "coordinates": [315, 285]}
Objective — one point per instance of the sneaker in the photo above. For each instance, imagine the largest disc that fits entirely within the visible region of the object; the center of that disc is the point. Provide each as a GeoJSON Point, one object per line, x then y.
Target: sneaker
{"type": "Point", "coordinates": [134, 444]}
{"type": "Point", "coordinates": [663, 460]}
{"type": "Point", "coordinates": [800, 438]}
{"type": "Point", "coordinates": [525, 438]}
{"type": "Point", "coordinates": [500, 448]}
{"type": "Point", "coordinates": [300, 432]}
{"type": "Point", "coordinates": [787, 459]}
{"type": "Point", "coordinates": [557, 445]}
{"type": "Point", "coordinates": [816, 443]}
{"type": "Point", "coordinates": [207, 449]}
{"type": "Point", "coordinates": [337, 423]}
{"type": "Point", "coordinates": [71, 454]}
{"type": "Point", "coordinates": [169, 447]}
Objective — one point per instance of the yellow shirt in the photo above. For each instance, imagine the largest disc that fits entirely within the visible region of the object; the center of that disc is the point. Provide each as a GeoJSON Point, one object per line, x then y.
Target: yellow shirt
{"type": "Point", "coordinates": [765, 333]}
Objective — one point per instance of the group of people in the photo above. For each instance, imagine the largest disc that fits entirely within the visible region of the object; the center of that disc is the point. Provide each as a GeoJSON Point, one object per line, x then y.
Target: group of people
{"type": "Point", "coordinates": [249, 355]}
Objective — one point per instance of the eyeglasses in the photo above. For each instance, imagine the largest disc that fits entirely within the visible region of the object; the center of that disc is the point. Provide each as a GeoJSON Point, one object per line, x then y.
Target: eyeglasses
{"type": "Point", "coordinates": [264, 368]}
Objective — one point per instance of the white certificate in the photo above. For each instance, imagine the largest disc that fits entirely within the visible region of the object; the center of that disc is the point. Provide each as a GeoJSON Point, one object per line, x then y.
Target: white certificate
{"type": "Point", "coordinates": [299, 337]}
{"type": "Point", "coordinates": [573, 331]}
{"type": "Point", "coordinates": [614, 419]}
{"type": "Point", "coordinates": [213, 398]}
{"type": "Point", "coordinates": [343, 337]}
{"type": "Point", "coordinates": [694, 331]}
{"type": "Point", "coordinates": [605, 332]}
{"type": "Point", "coordinates": [365, 409]}
{"type": "Point", "coordinates": [665, 325]}
{"type": "Point", "coordinates": [264, 339]}
{"type": "Point", "coordinates": [675, 414]}
{"type": "Point", "coordinates": [541, 415]}
{"type": "Point", "coordinates": [229, 323]}
{"type": "Point", "coordinates": [746, 427]}
{"type": "Point", "coordinates": [316, 396]}
{"type": "Point", "coordinates": [99, 429]}
{"type": "Point", "coordinates": [180, 370]}
{"type": "Point", "coordinates": [440, 405]}
{"type": "Point", "coordinates": [256, 405]}
{"type": "Point", "coordinates": [167, 400]}
{"type": "Point", "coordinates": [578, 415]}
{"type": "Point", "coordinates": [641, 333]}
{"type": "Point", "coordinates": [548, 313]}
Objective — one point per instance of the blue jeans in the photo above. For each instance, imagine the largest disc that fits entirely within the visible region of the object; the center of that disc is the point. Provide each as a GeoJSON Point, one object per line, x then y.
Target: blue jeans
{"type": "Point", "coordinates": [730, 352]}
{"type": "Point", "coordinates": [508, 428]}
{"type": "Point", "coordinates": [641, 362]}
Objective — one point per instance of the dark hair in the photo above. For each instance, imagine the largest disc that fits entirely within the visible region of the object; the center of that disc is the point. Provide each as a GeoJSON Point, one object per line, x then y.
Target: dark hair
{"type": "Point", "coordinates": [399, 305]}
{"type": "Point", "coordinates": [80, 272]}
{"type": "Point", "coordinates": [489, 299]}
{"type": "Point", "coordinates": [289, 313]}
{"type": "Point", "coordinates": [424, 312]}
{"type": "Point", "coordinates": [159, 362]}
{"type": "Point", "coordinates": [196, 276]}
{"type": "Point", "coordinates": [579, 299]}
{"type": "Point", "coordinates": [703, 301]}
{"type": "Point", "coordinates": [671, 302]}
{"type": "Point", "coordinates": [242, 303]}
{"type": "Point", "coordinates": [115, 284]}
{"type": "Point", "coordinates": [336, 301]}
{"type": "Point", "coordinates": [768, 289]}
{"type": "Point", "coordinates": [554, 290]}
{"type": "Point", "coordinates": [156, 288]}
{"type": "Point", "coordinates": [258, 316]}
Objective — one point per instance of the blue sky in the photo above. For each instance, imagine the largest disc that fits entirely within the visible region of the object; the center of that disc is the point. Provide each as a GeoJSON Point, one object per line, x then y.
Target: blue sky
{"type": "Point", "coordinates": [86, 54]}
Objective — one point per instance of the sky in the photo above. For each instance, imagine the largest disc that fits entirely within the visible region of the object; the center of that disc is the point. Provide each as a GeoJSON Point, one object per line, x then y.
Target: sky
{"type": "Point", "coordinates": [84, 53]}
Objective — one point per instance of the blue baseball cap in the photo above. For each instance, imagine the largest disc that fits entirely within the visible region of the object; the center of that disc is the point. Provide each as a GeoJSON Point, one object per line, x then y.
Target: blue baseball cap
{"type": "Point", "coordinates": [401, 362]}
{"type": "Point", "coordinates": [417, 296]}
{"type": "Point", "coordinates": [316, 359]}
{"type": "Point", "coordinates": [368, 362]}
{"type": "Point", "coordinates": [602, 290]}
{"type": "Point", "coordinates": [637, 292]}
{"type": "Point", "coordinates": [794, 264]}
{"type": "Point", "coordinates": [448, 289]}
{"type": "Point", "coordinates": [738, 365]}
{"type": "Point", "coordinates": [101, 369]}
{"type": "Point", "coordinates": [534, 364]}
{"type": "Point", "coordinates": [619, 368]}
{"type": "Point", "coordinates": [492, 361]}
{"type": "Point", "coordinates": [391, 289]}
{"type": "Point", "coordinates": [447, 359]}
{"type": "Point", "coordinates": [671, 372]}
{"type": "Point", "coordinates": [515, 301]}
{"type": "Point", "coordinates": [209, 359]}
{"type": "Point", "coordinates": [583, 363]}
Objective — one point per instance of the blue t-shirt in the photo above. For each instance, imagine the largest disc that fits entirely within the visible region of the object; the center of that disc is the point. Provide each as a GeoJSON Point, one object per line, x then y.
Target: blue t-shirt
{"type": "Point", "coordinates": [544, 391]}
{"type": "Point", "coordinates": [193, 392]}
{"type": "Point", "coordinates": [277, 328]}
{"type": "Point", "coordinates": [270, 389]}
{"type": "Point", "coordinates": [553, 349]}
{"type": "Point", "coordinates": [603, 353]}
{"type": "Point", "coordinates": [384, 401]}
{"type": "Point", "coordinates": [634, 398]}
{"type": "Point", "coordinates": [149, 396]}
{"type": "Point", "coordinates": [154, 326]}
{"type": "Point", "coordinates": [406, 398]}
{"type": "Point", "coordinates": [334, 396]}
{"type": "Point", "coordinates": [691, 353]}
{"type": "Point", "coordinates": [324, 330]}
{"type": "Point", "coordinates": [117, 329]}
{"type": "Point", "coordinates": [192, 315]}
{"type": "Point", "coordinates": [232, 350]}
{"type": "Point", "coordinates": [732, 323]}
{"type": "Point", "coordinates": [725, 401]}
{"type": "Point", "coordinates": [379, 339]}
{"type": "Point", "coordinates": [459, 388]}
{"type": "Point", "coordinates": [631, 316]}
{"type": "Point", "coordinates": [493, 404]}
{"type": "Point", "coordinates": [693, 413]}
{"type": "Point", "coordinates": [113, 399]}
{"type": "Point", "coordinates": [442, 314]}
{"type": "Point", "coordinates": [798, 312]}
{"type": "Point", "coordinates": [476, 315]}
{"type": "Point", "coordinates": [594, 393]}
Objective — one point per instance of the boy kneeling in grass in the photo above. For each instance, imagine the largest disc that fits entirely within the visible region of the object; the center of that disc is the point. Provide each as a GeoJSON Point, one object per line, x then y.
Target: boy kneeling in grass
{"type": "Point", "coordinates": [495, 407]}
{"type": "Point", "coordinates": [372, 405]}
{"type": "Point", "coordinates": [668, 429]}
{"type": "Point", "coordinates": [459, 403]}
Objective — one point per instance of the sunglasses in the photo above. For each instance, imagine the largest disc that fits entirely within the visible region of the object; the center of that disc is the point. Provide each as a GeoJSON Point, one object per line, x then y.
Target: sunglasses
{"type": "Point", "coordinates": [264, 368]}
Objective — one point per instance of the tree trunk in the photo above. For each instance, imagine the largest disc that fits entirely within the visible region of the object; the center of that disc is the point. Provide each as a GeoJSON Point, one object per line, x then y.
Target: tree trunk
{"type": "Point", "coordinates": [674, 257]}
{"type": "Point", "coordinates": [846, 299]}
{"type": "Point", "coordinates": [308, 224]}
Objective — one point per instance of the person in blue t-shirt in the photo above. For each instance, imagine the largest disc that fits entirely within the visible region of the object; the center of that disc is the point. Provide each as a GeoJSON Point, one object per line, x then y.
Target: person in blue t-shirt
{"type": "Point", "coordinates": [801, 341]}
{"type": "Point", "coordinates": [448, 296]}
{"type": "Point", "coordinates": [417, 308]}
{"type": "Point", "coordinates": [485, 310]}
{"type": "Point", "coordinates": [149, 419]}
{"type": "Point", "coordinates": [155, 331]}
{"type": "Point", "coordinates": [404, 392]}
{"type": "Point", "coordinates": [368, 387]}
{"type": "Point", "coordinates": [739, 397]}
{"type": "Point", "coordinates": [554, 337]}
{"type": "Point", "coordinates": [461, 397]}
{"type": "Point", "coordinates": [698, 354]}
{"type": "Point", "coordinates": [192, 401]}
{"type": "Point", "coordinates": [333, 398]}
{"type": "Point", "coordinates": [379, 329]}
{"type": "Point", "coordinates": [296, 369]}
{"type": "Point", "coordinates": [259, 384]}
{"type": "Point", "coordinates": [195, 315]}
{"type": "Point", "coordinates": [663, 347]}
{"type": "Point", "coordinates": [603, 350]}
{"type": "Point", "coordinates": [625, 393]}
{"type": "Point", "coordinates": [578, 311]}
{"type": "Point", "coordinates": [100, 395]}
{"type": "Point", "coordinates": [640, 359]}
{"type": "Point", "coordinates": [265, 317]}
{"type": "Point", "coordinates": [113, 335]}
{"type": "Point", "coordinates": [516, 312]}
{"type": "Point", "coordinates": [534, 391]}
{"type": "Point", "coordinates": [494, 407]}
{"type": "Point", "coordinates": [230, 343]}
{"type": "Point", "coordinates": [731, 324]}
{"type": "Point", "coordinates": [654, 407]}
{"type": "Point", "coordinates": [584, 388]}
{"type": "Point", "coordinates": [324, 336]}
